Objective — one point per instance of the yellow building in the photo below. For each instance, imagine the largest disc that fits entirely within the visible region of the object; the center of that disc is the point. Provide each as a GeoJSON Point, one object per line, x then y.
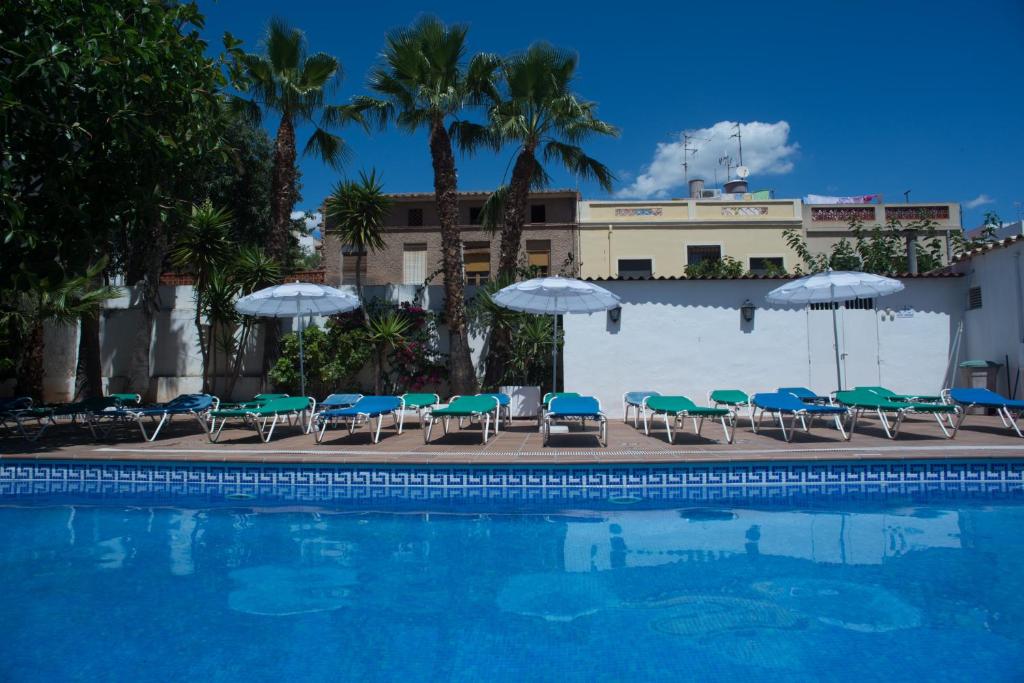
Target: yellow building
{"type": "Point", "coordinates": [660, 238]}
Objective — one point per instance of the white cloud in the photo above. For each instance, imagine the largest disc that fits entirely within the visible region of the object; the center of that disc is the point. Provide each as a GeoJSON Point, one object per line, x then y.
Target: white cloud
{"type": "Point", "coordinates": [767, 150]}
{"type": "Point", "coordinates": [981, 200]}
{"type": "Point", "coordinates": [314, 220]}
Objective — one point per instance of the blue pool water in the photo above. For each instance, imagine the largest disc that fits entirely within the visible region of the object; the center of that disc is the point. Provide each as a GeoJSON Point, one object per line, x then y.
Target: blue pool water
{"type": "Point", "coordinates": [215, 587]}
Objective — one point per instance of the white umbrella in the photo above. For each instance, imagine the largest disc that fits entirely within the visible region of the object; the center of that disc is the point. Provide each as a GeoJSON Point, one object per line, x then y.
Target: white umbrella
{"type": "Point", "coordinates": [294, 300]}
{"type": "Point", "coordinates": [833, 286]}
{"type": "Point", "coordinates": [555, 296]}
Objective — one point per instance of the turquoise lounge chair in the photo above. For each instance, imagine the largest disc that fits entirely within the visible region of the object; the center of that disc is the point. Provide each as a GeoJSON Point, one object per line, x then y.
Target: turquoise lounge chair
{"type": "Point", "coordinates": [481, 409]}
{"type": "Point", "coordinates": [786, 404]}
{"type": "Point", "coordinates": [678, 408]}
{"type": "Point", "coordinates": [575, 409]}
{"type": "Point", "coordinates": [504, 408]}
{"type": "Point", "coordinates": [360, 413]}
{"type": "Point", "coordinates": [1008, 410]}
{"type": "Point", "coordinates": [805, 395]}
{"type": "Point", "coordinates": [635, 400]}
{"type": "Point", "coordinates": [909, 398]}
{"type": "Point", "coordinates": [292, 409]}
{"type": "Point", "coordinates": [861, 401]}
{"type": "Point", "coordinates": [732, 398]}
{"type": "Point", "coordinates": [420, 403]}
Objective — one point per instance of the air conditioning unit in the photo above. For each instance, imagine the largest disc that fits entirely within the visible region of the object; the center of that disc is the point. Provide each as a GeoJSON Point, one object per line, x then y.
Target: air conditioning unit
{"type": "Point", "coordinates": [710, 194]}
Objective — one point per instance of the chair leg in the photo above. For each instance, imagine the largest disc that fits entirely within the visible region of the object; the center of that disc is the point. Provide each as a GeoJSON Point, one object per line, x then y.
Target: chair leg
{"type": "Point", "coordinates": [320, 431]}
{"type": "Point", "coordinates": [380, 421]}
{"type": "Point", "coordinates": [839, 426]}
{"type": "Point", "coordinates": [487, 426]}
{"type": "Point", "coordinates": [699, 425]}
{"type": "Point", "coordinates": [1010, 417]}
{"type": "Point", "coordinates": [603, 432]}
{"type": "Point", "coordinates": [427, 425]}
{"type": "Point", "coordinates": [271, 432]}
{"type": "Point", "coordinates": [782, 424]}
{"type": "Point", "coordinates": [164, 420]}
{"type": "Point", "coordinates": [668, 428]}
{"type": "Point", "coordinates": [647, 431]}
{"type": "Point", "coordinates": [942, 424]}
{"type": "Point", "coordinates": [725, 428]}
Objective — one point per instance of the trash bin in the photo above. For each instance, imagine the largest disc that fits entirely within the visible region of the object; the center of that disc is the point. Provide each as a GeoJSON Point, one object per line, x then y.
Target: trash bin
{"type": "Point", "coordinates": [980, 374]}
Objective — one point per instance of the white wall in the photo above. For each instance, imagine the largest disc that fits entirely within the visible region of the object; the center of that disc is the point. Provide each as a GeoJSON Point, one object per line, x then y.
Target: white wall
{"type": "Point", "coordinates": [688, 337]}
{"type": "Point", "coordinates": [996, 330]}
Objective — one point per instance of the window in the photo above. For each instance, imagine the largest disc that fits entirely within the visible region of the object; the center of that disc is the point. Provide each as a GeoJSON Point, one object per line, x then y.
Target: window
{"type": "Point", "coordinates": [538, 256]}
{"type": "Point", "coordinates": [852, 305]}
{"type": "Point", "coordinates": [474, 215]}
{"type": "Point", "coordinates": [538, 213]}
{"type": "Point", "coordinates": [477, 260]}
{"type": "Point", "coordinates": [349, 256]}
{"type": "Point", "coordinates": [761, 265]}
{"type": "Point", "coordinates": [696, 253]}
{"type": "Point", "coordinates": [974, 298]}
{"type": "Point", "coordinates": [415, 217]}
{"type": "Point", "coordinates": [414, 263]}
{"type": "Point", "coordinates": [635, 267]}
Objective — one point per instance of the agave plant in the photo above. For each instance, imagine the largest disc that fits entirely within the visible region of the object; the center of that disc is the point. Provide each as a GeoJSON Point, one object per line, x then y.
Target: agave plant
{"type": "Point", "coordinates": [386, 331]}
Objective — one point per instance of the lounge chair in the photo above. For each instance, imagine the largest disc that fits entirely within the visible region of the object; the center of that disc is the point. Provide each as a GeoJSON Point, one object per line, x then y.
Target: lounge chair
{"type": "Point", "coordinates": [1008, 410]}
{"type": "Point", "coordinates": [257, 416]}
{"type": "Point", "coordinates": [678, 408]}
{"type": "Point", "coordinates": [85, 412]}
{"type": "Point", "coordinates": [195, 405]}
{"type": "Point", "coordinates": [482, 409]}
{"type": "Point", "coordinates": [805, 395]}
{"type": "Point", "coordinates": [364, 410]}
{"type": "Point", "coordinates": [504, 408]}
{"type": "Point", "coordinates": [11, 409]}
{"type": "Point", "coordinates": [546, 400]}
{"type": "Point", "coordinates": [420, 402]}
{"type": "Point", "coordinates": [339, 401]}
{"type": "Point", "coordinates": [860, 401]}
{"type": "Point", "coordinates": [635, 400]}
{"type": "Point", "coordinates": [893, 396]}
{"type": "Point", "coordinates": [782, 404]}
{"type": "Point", "coordinates": [254, 402]}
{"type": "Point", "coordinates": [732, 398]}
{"type": "Point", "coordinates": [575, 409]}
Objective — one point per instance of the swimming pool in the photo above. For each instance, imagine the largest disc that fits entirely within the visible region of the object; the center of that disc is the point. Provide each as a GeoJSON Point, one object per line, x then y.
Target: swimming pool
{"type": "Point", "coordinates": [161, 573]}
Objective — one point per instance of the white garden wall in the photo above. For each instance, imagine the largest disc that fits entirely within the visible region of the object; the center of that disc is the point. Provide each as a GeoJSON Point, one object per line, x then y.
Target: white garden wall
{"type": "Point", "coordinates": [688, 337]}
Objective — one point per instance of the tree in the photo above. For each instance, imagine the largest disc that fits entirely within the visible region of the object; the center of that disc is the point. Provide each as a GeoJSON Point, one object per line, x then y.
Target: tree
{"type": "Point", "coordinates": [293, 84]}
{"type": "Point", "coordinates": [387, 330]}
{"type": "Point", "coordinates": [253, 269]}
{"type": "Point", "coordinates": [359, 209]}
{"type": "Point", "coordinates": [879, 249]}
{"type": "Point", "coordinates": [424, 83]}
{"type": "Point", "coordinates": [727, 266]}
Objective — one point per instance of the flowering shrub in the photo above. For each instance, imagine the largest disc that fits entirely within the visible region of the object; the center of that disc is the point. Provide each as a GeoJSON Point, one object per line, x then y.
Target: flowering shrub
{"type": "Point", "coordinates": [417, 364]}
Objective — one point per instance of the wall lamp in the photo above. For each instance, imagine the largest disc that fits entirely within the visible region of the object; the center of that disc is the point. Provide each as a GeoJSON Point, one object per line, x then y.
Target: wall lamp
{"type": "Point", "coordinates": [615, 314]}
{"type": "Point", "coordinates": [747, 311]}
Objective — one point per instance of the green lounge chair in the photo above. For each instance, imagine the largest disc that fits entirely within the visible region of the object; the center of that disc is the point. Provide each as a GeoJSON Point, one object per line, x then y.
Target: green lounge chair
{"type": "Point", "coordinates": [254, 402]}
{"type": "Point", "coordinates": [675, 409]}
{"type": "Point", "coordinates": [482, 409]}
{"type": "Point", "coordinates": [860, 401]}
{"type": "Point", "coordinates": [732, 398]}
{"type": "Point", "coordinates": [257, 416]}
{"type": "Point", "coordinates": [84, 412]}
{"type": "Point", "coordinates": [905, 398]}
{"type": "Point", "coordinates": [419, 403]}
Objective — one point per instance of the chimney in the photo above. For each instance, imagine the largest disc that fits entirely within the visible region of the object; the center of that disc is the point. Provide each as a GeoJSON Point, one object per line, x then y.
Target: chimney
{"type": "Point", "coordinates": [696, 188]}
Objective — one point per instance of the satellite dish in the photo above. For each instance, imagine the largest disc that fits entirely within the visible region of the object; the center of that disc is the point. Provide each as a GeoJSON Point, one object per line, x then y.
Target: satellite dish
{"type": "Point", "coordinates": [742, 172]}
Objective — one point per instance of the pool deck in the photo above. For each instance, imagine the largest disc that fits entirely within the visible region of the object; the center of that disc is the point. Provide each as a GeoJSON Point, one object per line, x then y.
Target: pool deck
{"type": "Point", "coordinates": [980, 437]}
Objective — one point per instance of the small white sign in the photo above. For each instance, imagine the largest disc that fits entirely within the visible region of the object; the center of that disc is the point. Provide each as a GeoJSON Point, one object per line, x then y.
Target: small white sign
{"type": "Point", "coordinates": [905, 312]}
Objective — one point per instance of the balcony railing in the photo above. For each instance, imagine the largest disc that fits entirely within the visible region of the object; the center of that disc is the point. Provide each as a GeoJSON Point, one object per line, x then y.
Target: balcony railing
{"type": "Point", "coordinates": [317, 277]}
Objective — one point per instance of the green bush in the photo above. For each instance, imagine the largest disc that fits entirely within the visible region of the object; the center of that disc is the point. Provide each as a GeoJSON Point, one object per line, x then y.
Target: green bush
{"type": "Point", "coordinates": [333, 358]}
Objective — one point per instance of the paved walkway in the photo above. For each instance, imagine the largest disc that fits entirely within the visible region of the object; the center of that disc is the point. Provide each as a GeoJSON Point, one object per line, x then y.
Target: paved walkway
{"type": "Point", "coordinates": [981, 437]}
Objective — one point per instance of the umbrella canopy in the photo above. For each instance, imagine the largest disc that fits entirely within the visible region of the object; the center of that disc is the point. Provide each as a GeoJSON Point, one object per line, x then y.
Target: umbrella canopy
{"type": "Point", "coordinates": [555, 296]}
{"type": "Point", "coordinates": [833, 286]}
{"type": "Point", "coordinates": [294, 300]}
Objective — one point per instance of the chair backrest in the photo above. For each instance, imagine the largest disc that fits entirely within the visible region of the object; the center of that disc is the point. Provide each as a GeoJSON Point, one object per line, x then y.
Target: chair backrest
{"type": "Point", "coordinates": [503, 399]}
{"type": "Point", "coordinates": [340, 400]}
{"type": "Point", "coordinates": [574, 405]}
{"type": "Point", "coordinates": [474, 404]}
{"type": "Point", "coordinates": [880, 391]}
{"type": "Point", "coordinates": [190, 402]}
{"type": "Point", "coordinates": [15, 403]}
{"type": "Point", "coordinates": [377, 404]}
{"type": "Point", "coordinates": [635, 398]}
{"type": "Point", "coordinates": [731, 397]}
{"type": "Point", "coordinates": [799, 392]}
{"type": "Point", "coordinates": [865, 399]}
{"type": "Point", "coordinates": [268, 397]}
{"type": "Point", "coordinates": [554, 394]}
{"type": "Point", "coordinates": [778, 401]}
{"type": "Point", "coordinates": [127, 399]}
{"type": "Point", "coordinates": [287, 404]}
{"type": "Point", "coordinates": [670, 404]}
{"type": "Point", "coordinates": [413, 400]}
{"type": "Point", "coordinates": [977, 395]}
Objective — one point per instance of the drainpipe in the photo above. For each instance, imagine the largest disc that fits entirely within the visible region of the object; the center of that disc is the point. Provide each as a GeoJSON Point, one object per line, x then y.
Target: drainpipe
{"type": "Point", "coordinates": [911, 252]}
{"type": "Point", "coordinates": [610, 230]}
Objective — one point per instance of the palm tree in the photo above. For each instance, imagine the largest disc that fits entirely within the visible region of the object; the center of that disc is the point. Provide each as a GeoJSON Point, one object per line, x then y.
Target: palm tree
{"type": "Point", "coordinates": [542, 116]}
{"type": "Point", "coordinates": [424, 83]}
{"type": "Point", "coordinates": [359, 209]}
{"type": "Point", "coordinates": [252, 270]}
{"type": "Point", "coordinates": [293, 84]}
{"type": "Point", "coordinates": [385, 331]}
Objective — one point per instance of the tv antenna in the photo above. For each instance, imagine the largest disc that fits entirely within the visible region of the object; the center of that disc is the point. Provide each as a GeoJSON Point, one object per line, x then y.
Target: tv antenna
{"type": "Point", "coordinates": [739, 138]}
{"type": "Point", "coordinates": [688, 152]}
{"type": "Point", "coordinates": [726, 160]}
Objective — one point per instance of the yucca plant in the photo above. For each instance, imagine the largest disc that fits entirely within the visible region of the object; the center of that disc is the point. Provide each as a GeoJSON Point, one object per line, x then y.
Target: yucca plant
{"type": "Point", "coordinates": [386, 331]}
{"type": "Point", "coordinates": [359, 209]}
{"type": "Point", "coordinates": [253, 269]}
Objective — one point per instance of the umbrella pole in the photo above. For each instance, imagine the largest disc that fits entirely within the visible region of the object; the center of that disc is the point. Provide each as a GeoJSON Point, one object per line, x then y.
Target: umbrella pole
{"type": "Point", "coordinates": [835, 339]}
{"type": "Point", "coordinates": [554, 353]}
{"type": "Point", "coordinates": [302, 365]}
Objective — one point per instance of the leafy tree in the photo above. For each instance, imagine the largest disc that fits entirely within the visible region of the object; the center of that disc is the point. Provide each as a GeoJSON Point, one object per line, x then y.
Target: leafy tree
{"type": "Point", "coordinates": [878, 249]}
{"type": "Point", "coordinates": [359, 210]}
{"type": "Point", "coordinates": [727, 266]}
{"type": "Point", "coordinates": [252, 270]}
{"type": "Point", "coordinates": [334, 355]}
{"type": "Point", "coordinates": [963, 244]}
{"type": "Point", "coordinates": [424, 83]}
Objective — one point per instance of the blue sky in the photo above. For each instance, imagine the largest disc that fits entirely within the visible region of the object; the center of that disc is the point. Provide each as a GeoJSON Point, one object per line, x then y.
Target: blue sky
{"type": "Point", "coordinates": [854, 97]}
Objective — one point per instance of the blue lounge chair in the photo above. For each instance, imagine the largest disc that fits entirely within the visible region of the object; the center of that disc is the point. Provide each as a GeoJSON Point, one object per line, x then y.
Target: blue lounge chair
{"type": "Point", "coordinates": [575, 409]}
{"type": "Point", "coordinates": [339, 401]}
{"type": "Point", "coordinates": [86, 413]}
{"type": "Point", "coordinates": [635, 400]}
{"type": "Point", "coordinates": [1008, 410]}
{"type": "Point", "coordinates": [364, 410]}
{"type": "Point", "coordinates": [10, 412]}
{"type": "Point", "coordinates": [805, 395]}
{"type": "Point", "coordinates": [783, 404]}
{"type": "Point", "coordinates": [504, 408]}
{"type": "Point", "coordinates": [195, 405]}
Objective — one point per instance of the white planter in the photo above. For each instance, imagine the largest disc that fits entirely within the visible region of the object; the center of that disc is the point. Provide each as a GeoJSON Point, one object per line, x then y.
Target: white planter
{"type": "Point", "coordinates": [525, 400]}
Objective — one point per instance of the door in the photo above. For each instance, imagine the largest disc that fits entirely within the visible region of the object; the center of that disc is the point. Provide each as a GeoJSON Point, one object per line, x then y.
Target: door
{"type": "Point", "coordinates": [857, 323]}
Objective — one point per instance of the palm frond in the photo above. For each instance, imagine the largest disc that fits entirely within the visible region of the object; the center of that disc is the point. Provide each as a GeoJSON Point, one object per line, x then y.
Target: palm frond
{"type": "Point", "coordinates": [330, 148]}
{"type": "Point", "coordinates": [492, 214]}
{"type": "Point", "coordinates": [576, 161]}
{"type": "Point", "coordinates": [470, 136]}
{"type": "Point", "coordinates": [318, 71]}
{"type": "Point", "coordinates": [284, 45]}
